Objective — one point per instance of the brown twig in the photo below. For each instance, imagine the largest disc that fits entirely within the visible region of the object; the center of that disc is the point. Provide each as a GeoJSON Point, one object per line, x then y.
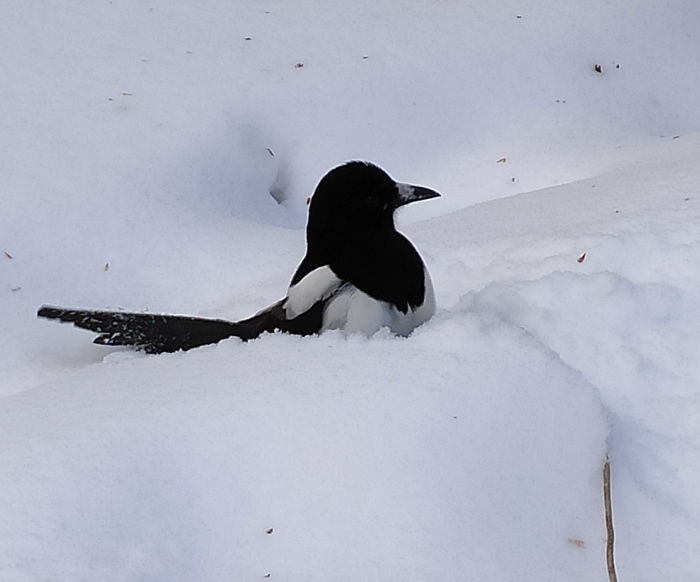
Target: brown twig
{"type": "Point", "coordinates": [610, 546]}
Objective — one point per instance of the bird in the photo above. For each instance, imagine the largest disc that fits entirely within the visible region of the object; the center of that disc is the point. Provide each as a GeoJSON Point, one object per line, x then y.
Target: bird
{"type": "Point", "coordinates": [359, 274]}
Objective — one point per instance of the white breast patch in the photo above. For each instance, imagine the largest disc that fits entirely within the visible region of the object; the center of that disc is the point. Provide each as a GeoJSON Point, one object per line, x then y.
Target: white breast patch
{"type": "Point", "coordinates": [353, 311]}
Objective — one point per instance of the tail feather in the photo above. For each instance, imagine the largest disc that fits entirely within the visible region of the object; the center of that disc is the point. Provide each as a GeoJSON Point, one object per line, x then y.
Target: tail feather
{"type": "Point", "coordinates": [155, 333]}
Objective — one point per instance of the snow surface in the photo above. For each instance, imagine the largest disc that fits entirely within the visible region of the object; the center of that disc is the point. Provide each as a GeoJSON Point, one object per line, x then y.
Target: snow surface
{"type": "Point", "coordinates": [158, 156]}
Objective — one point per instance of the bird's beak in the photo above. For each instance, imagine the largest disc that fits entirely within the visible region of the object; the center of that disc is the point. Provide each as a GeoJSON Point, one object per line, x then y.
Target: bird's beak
{"type": "Point", "coordinates": [408, 193]}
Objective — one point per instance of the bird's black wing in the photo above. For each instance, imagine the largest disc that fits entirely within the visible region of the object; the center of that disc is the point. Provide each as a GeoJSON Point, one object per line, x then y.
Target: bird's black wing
{"type": "Point", "coordinates": [155, 333]}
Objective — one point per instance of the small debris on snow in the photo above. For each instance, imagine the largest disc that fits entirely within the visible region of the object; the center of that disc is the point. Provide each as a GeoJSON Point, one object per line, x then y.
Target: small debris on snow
{"type": "Point", "coordinates": [501, 161]}
{"type": "Point", "coordinates": [127, 93]}
{"type": "Point", "coordinates": [581, 258]}
{"type": "Point", "coordinates": [598, 69]}
{"type": "Point", "coordinates": [577, 543]}
{"type": "Point", "coordinates": [269, 151]}
{"type": "Point", "coordinates": [298, 65]}
{"type": "Point", "coordinates": [14, 289]}
{"type": "Point", "coordinates": [269, 531]}
{"type": "Point", "coordinates": [8, 255]}
{"type": "Point", "coordinates": [106, 266]}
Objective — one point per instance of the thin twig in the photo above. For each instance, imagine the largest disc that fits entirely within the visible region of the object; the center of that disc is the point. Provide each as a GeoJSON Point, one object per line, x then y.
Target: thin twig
{"type": "Point", "coordinates": [610, 547]}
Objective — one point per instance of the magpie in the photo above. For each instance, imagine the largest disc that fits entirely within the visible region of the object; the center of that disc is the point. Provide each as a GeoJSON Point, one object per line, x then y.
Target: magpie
{"type": "Point", "coordinates": [359, 274]}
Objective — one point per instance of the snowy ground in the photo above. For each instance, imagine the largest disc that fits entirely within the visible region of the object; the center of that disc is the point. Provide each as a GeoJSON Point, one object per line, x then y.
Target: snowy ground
{"type": "Point", "coordinates": [157, 156]}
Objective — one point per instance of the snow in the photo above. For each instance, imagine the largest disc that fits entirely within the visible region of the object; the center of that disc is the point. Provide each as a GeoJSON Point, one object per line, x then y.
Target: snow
{"type": "Point", "coordinates": [158, 156]}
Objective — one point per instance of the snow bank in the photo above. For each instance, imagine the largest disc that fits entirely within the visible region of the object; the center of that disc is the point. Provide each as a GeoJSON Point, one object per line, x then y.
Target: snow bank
{"type": "Point", "coordinates": [399, 459]}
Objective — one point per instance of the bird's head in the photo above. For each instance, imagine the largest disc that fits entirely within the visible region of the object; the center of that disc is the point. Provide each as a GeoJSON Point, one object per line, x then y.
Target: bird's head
{"type": "Point", "coordinates": [358, 197]}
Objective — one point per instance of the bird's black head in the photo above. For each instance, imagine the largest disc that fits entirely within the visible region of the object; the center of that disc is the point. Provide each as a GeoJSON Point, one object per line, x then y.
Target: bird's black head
{"type": "Point", "coordinates": [356, 198]}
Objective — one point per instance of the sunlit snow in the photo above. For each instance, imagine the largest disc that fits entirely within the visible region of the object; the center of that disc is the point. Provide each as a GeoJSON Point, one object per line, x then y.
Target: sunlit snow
{"type": "Point", "coordinates": [158, 156]}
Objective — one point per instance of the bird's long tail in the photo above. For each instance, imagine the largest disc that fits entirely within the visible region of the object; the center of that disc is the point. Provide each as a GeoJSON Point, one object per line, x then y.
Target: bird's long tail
{"type": "Point", "coordinates": [155, 334]}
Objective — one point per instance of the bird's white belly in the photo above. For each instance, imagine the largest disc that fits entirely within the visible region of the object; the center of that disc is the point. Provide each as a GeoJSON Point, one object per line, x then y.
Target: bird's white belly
{"type": "Point", "coordinates": [353, 311]}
